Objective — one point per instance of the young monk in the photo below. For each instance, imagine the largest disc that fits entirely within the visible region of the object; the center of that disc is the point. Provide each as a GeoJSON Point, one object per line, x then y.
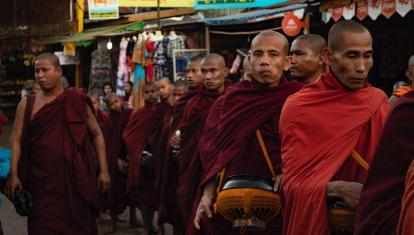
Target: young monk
{"type": "Point", "coordinates": [409, 73]}
{"type": "Point", "coordinates": [307, 58]}
{"type": "Point", "coordinates": [180, 89]}
{"type": "Point", "coordinates": [381, 197]}
{"type": "Point", "coordinates": [115, 123]}
{"type": "Point", "coordinates": [214, 71]}
{"type": "Point", "coordinates": [169, 209]}
{"type": "Point", "coordinates": [228, 143]}
{"type": "Point", "coordinates": [99, 115]}
{"type": "Point", "coordinates": [140, 138]}
{"type": "Point", "coordinates": [52, 155]}
{"type": "Point", "coordinates": [344, 117]}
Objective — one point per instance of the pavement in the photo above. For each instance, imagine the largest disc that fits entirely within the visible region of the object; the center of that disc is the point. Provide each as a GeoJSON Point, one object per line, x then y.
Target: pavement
{"type": "Point", "coordinates": [14, 224]}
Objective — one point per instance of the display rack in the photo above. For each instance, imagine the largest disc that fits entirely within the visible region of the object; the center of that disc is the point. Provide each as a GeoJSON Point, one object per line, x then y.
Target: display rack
{"type": "Point", "coordinates": [184, 53]}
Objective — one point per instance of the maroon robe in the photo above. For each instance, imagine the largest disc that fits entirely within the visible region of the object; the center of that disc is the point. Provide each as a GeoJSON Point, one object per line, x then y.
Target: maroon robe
{"type": "Point", "coordinates": [380, 203]}
{"type": "Point", "coordinates": [229, 142]}
{"type": "Point", "coordinates": [169, 210]}
{"type": "Point", "coordinates": [115, 123]}
{"type": "Point", "coordinates": [191, 127]}
{"type": "Point", "coordinates": [100, 118]}
{"type": "Point", "coordinates": [141, 134]}
{"type": "Point", "coordinates": [57, 168]}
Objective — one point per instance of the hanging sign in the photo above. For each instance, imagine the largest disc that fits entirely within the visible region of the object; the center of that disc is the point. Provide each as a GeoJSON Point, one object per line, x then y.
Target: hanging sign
{"type": "Point", "coordinates": [337, 13]}
{"type": "Point", "coordinates": [388, 8]}
{"type": "Point", "coordinates": [362, 9]}
{"type": "Point", "coordinates": [291, 24]}
{"type": "Point", "coordinates": [153, 3]}
{"type": "Point", "coordinates": [222, 4]}
{"type": "Point", "coordinates": [103, 9]}
{"type": "Point", "coordinates": [69, 49]}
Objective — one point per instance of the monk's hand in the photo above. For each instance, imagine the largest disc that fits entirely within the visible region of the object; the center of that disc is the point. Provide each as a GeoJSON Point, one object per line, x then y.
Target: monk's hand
{"type": "Point", "coordinates": [104, 181]}
{"type": "Point", "coordinates": [350, 192]}
{"type": "Point", "coordinates": [203, 207]}
{"type": "Point", "coordinates": [175, 142]}
{"type": "Point", "coordinates": [12, 184]}
{"type": "Point", "coordinates": [278, 182]}
{"type": "Point", "coordinates": [121, 165]}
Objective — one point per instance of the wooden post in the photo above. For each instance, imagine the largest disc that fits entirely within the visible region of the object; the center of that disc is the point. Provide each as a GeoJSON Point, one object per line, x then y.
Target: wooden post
{"type": "Point", "coordinates": [207, 36]}
{"type": "Point", "coordinates": [307, 24]}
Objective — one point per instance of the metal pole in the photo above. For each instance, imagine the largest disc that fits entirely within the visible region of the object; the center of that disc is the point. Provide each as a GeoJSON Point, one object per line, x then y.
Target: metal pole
{"type": "Point", "coordinates": [158, 13]}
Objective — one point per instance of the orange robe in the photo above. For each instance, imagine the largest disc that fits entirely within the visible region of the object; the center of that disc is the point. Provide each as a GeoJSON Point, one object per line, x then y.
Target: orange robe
{"type": "Point", "coordinates": [320, 126]}
{"type": "Point", "coordinates": [402, 91]}
{"type": "Point", "coordinates": [406, 223]}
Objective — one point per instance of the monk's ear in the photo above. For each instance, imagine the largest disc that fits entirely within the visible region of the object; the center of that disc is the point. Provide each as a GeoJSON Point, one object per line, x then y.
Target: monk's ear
{"type": "Point", "coordinates": [226, 72]}
{"type": "Point", "coordinates": [288, 62]}
{"type": "Point", "coordinates": [327, 56]}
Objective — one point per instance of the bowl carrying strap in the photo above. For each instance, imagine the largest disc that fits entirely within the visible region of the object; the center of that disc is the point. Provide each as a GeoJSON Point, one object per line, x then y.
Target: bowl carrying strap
{"type": "Point", "coordinates": [355, 155]}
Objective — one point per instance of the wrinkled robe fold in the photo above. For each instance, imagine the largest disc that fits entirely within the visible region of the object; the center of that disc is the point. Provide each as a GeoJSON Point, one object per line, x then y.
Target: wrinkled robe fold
{"type": "Point", "coordinates": [380, 202]}
{"type": "Point", "coordinates": [320, 127]}
{"type": "Point", "coordinates": [57, 168]}
{"type": "Point", "coordinates": [229, 141]}
{"type": "Point", "coordinates": [405, 224]}
{"type": "Point", "coordinates": [115, 198]}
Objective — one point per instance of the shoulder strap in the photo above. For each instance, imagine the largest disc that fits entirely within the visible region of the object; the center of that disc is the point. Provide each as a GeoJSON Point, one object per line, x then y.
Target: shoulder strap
{"type": "Point", "coordinates": [355, 155]}
{"type": "Point", "coordinates": [265, 153]}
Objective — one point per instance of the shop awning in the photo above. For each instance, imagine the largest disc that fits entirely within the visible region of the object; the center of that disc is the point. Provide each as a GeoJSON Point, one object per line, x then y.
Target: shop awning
{"type": "Point", "coordinates": [87, 37]}
{"type": "Point", "coordinates": [256, 16]}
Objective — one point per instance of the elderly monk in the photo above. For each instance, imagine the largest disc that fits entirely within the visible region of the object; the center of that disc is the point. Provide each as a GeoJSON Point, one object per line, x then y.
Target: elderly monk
{"type": "Point", "coordinates": [306, 58]}
{"type": "Point", "coordinates": [141, 139]}
{"type": "Point", "coordinates": [382, 194]}
{"type": "Point", "coordinates": [52, 155]}
{"type": "Point", "coordinates": [115, 123]}
{"type": "Point", "coordinates": [409, 73]}
{"type": "Point", "coordinates": [169, 208]}
{"type": "Point", "coordinates": [214, 72]}
{"type": "Point", "coordinates": [324, 124]}
{"type": "Point", "coordinates": [406, 225]}
{"type": "Point", "coordinates": [231, 145]}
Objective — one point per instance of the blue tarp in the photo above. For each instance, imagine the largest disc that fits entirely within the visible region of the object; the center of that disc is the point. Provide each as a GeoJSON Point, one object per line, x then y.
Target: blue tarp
{"type": "Point", "coordinates": [5, 155]}
{"type": "Point", "coordinates": [248, 16]}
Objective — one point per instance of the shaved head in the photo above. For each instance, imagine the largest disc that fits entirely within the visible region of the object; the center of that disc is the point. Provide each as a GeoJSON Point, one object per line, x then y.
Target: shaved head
{"type": "Point", "coordinates": [314, 42]}
{"type": "Point", "coordinates": [214, 57]}
{"type": "Point", "coordinates": [181, 82]}
{"type": "Point", "coordinates": [339, 29]}
{"type": "Point", "coordinates": [411, 62]}
{"type": "Point", "coordinates": [165, 80]}
{"type": "Point", "coordinates": [54, 60]}
{"type": "Point", "coordinates": [272, 34]}
{"type": "Point", "coordinates": [150, 86]}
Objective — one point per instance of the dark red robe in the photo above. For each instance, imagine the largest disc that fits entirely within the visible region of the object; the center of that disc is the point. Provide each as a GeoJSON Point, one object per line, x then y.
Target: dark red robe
{"type": "Point", "coordinates": [57, 168]}
{"type": "Point", "coordinates": [380, 202]}
{"type": "Point", "coordinates": [229, 141]}
{"type": "Point", "coordinates": [169, 210]}
{"type": "Point", "coordinates": [141, 134]}
{"type": "Point", "coordinates": [115, 123]}
{"type": "Point", "coordinates": [100, 118]}
{"type": "Point", "coordinates": [192, 127]}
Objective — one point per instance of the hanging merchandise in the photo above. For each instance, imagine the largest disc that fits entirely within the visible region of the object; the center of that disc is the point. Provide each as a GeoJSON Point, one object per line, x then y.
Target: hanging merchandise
{"type": "Point", "coordinates": [362, 9]}
{"type": "Point", "coordinates": [388, 8]}
{"type": "Point", "coordinates": [123, 73]}
{"type": "Point", "coordinates": [349, 11]}
{"type": "Point", "coordinates": [139, 59]}
{"type": "Point", "coordinates": [149, 54]}
{"type": "Point", "coordinates": [100, 70]}
{"type": "Point", "coordinates": [160, 60]}
{"type": "Point", "coordinates": [403, 7]}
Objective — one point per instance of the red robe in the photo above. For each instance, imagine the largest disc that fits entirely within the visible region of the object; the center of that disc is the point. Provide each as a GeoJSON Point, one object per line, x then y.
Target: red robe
{"type": "Point", "coordinates": [100, 118]}
{"type": "Point", "coordinates": [191, 127]}
{"type": "Point", "coordinates": [115, 125]}
{"type": "Point", "coordinates": [229, 141]}
{"type": "Point", "coordinates": [320, 126]}
{"type": "Point", "coordinates": [380, 203]}
{"type": "Point", "coordinates": [405, 224]}
{"type": "Point", "coordinates": [169, 210]}
{"type": "Point", "coordinates": [56, 166]}
{"type": "Point", "coordinates": [141, 134]}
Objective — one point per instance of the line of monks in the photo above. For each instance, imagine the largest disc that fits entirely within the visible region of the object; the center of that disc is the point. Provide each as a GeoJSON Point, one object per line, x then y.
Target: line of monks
{"type": "Point", "coordinates": [333, 138]}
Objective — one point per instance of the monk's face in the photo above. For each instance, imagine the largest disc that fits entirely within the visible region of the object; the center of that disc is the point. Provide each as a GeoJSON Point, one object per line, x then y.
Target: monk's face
{"type": "Point", "coordinates": [305, 62]}
{"type": "Point", "coordinates": [95, 103]}
{"type": "Point", "coordinates": [114, 104]}
{"type": "Point", "coordinates": [268, 59]}
{"type": "Point", "coordinates": [179, 91]}
{"type": "Point", "coordinates": [150, 94]}
{"type": "Point", "coordinates": [193, 74]}
{"type": "Point", "coordinates": [352, 60]}
{"type": "Point", "coordinates": [164, 89]}
{"type": "Point", "coordinates": [214, 73]}
{"type": "Point", "coordinates": [47, 75]}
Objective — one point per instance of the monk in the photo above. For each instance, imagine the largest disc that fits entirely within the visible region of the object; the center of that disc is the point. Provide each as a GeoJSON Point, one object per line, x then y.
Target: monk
{"type": "Point", "coordinates": [324, 124]}
{"type": "Point", "coordinates": [214, 72]}
{"type": "Point", "coordinates": [229, 143]}
{"type": "Point", "coordinates": [141, 140]}
{"type": "Point", "coordinates": [307, 58]}
{"type": "Point", "coordinates": [381, 197]}
{"type": "Point", "coordinates": [180, 89]}
{"type": "Point", "coordinates": [52, 155]}
{"type": "Point", "coordinates": [409, 73]}
{"type": "Point", "coordinates": [406, 225]}
{"type": "Point", "coordinates": [99, 115]}
{"type": "Point", "coordinates": [246, 70]}
{"type": "Point", "coordinates": [115, 123]}
{"type": "Point", "coordinates": [169, 210]}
